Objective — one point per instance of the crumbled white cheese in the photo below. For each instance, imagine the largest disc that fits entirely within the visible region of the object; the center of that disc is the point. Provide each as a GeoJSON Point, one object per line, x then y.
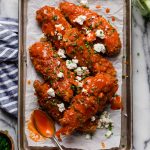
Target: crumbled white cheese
{"type": "Point", "coordinates": [61, 53]}
{"type": "Point", "coordinates": [59, 36]}
{"type": "Point", "coordinates": [42, 35]}
{"type": "Point", "coordinates": [87, 136]}
{"type": "Point", "coordinates": [75, 60]}
{"type": "Point", "coordinates": [55, 32]}
{"type": "Point", "coordinates": [51, 92]}
{"type": "Point", "coordinates": [61, 107]}
{"type": "Point", "coordinates": [99, 48]}
{"type": "Point", "coordinates": [86, 30]}
{"type": "Point", "coordinates": [44, 53]}
{"type": "Point", "coordinates": [105, 121]}
{"type": "Point", "coordinates": [81, 71]}
{"type": "Point", "coordinates": [84, 90]}
{"type": "Point", "coordinates": [83, 2]}
{"type": "Point", "coordinates": [80, 19]}
{"type": "Point", "coordinates": [93, 118]}
{"type": "Point", "coordinates": [70, 64]}
{"type": "Point", "coordinates": [108, 134]}
{"type": "Point", "coordinates": [60, 75]}
{"type": "Point", "coordinates": [58, 63]}
{"type": "Point", "coordinates": [60, 26]}
{"type": "Point", "coordinates": [45, 11]}
{"type": "Point", "coordinates": [78, 78]}
{"type": "Point", "coordinates": [80, 84]}
{"type": "Point", "coordinates": [100, 34]}
{"type": "Point", "coordinates": [93, 17]}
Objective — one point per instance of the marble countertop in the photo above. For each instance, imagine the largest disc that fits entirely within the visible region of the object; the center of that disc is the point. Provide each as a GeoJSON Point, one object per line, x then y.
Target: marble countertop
{"type": "Point", "coordinates": [141, 78]}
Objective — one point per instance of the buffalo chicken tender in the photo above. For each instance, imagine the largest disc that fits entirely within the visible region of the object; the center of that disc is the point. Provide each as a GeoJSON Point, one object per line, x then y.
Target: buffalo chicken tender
{"type": "Point", "coordinates": [96, 91]}
{"type": "Point", "coordinates": [63, 36]}
{"type": "Point", "coordinates": [51, 106]}
{"type": "Point", "coordinates": [47, 62]}
{"type": "Point", "coordinates": [93, 26]}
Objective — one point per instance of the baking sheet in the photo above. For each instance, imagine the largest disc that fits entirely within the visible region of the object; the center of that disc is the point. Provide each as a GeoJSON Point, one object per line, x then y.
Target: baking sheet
{"type": "Point", "coordinates": [33, 35]}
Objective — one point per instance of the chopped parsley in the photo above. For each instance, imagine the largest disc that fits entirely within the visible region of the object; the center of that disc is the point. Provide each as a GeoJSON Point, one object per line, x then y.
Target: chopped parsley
{"type": "Point", "coordinates": [55, 18]}
{"type": "Point", "coordinates": [74, 44]}
{"type": "Point", "coordinates": [90, 27]}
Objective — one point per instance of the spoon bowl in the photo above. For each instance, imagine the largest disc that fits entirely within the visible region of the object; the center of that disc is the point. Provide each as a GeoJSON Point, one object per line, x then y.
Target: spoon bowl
{"type": "Point", "coordinates": [45, 125]}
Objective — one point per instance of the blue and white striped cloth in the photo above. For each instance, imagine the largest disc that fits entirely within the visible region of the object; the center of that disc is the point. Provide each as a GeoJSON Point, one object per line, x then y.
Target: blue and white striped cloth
{"type": "Point", "coordinates": [9, 65]}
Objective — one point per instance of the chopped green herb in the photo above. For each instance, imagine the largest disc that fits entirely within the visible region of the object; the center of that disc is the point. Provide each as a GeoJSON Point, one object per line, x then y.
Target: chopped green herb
{"type": "Point", "coordinates": [81, 48]}
{"type": "Point", "coordinates": [55, 18]}
{"type": "Point", "coordinates": [87, 44]}
{"type": "Point", "coordinates": [74, 44]}
{"type": "Point", "coordinates": [62, 71]}
{"type": "Point", "coordinates": [100, 23]}
{"type": "Point", "coordinates": [55, 55]}
{"type": "Point", "coordinates": [73, 87]}
{"type": "Point", "coordinates": [138, 54]}
{"type": "Point", "coordinates": [51, 82]}
{"type": "Point", "coordinates": [96, 25]}
{"type": "Point", "coordinates": [113, 30]}
{"type": "Point", "coordinates": [90, 27]}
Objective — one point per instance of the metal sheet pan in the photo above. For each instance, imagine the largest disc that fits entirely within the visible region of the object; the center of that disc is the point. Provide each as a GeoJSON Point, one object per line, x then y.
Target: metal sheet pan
{"type": "Point", "coordinates": [126, 128]}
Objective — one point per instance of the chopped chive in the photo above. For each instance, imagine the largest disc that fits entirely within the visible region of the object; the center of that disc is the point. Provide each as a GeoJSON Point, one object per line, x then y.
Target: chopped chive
{"type": "Point", "coordinates": [55, 18]}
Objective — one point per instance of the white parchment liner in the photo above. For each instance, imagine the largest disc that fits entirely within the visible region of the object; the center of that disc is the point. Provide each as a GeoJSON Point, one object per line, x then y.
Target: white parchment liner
{"type": "Point", "coordinates": [33, 35]}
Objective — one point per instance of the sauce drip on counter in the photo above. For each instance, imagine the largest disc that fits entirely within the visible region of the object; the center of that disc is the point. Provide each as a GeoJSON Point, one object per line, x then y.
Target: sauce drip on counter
{"type": "Point", "coordinates": [33, 133]}
{"type": "Point", "coordinates": [29, 82]}
{"type": "Point", "coordinates": [107, 10]}
{"type": "Point", "coordinates": [116, 103]}
{"type": "Point", "coordinates": [113, 18]}
{"type": "Point", "coordinates": [98, 6]}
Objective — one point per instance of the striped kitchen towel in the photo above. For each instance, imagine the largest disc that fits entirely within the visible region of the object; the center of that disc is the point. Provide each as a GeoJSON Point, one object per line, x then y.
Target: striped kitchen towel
{"type": "Point", "coordinates": [9, 65]}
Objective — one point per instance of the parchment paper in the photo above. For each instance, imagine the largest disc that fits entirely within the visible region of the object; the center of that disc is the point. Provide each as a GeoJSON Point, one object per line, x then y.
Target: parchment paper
{"type": "Point", "coordinates": [33, 35]}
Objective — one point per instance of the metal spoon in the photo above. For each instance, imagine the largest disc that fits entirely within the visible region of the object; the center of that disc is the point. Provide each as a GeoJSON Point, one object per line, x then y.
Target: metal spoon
{"type": "Point", "coordinates": [45, 126]}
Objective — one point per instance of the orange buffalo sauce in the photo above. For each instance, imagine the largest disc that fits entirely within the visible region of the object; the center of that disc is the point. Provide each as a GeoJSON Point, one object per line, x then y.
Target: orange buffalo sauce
{"type": "Point", "coordinates": [98, 6]}
{"type": "Point", "coordinates": [29, 82]}
{"type": "Point", "coordinates": [116, 103]}
{"type": "Point", "coordinates": [107, 10]}
{"type": "Point", "coordinates": [103, 146]}
{"type": "Point", "coordinates": [33, 133]}
{"type": "Point", "coordinates": [113, 18]}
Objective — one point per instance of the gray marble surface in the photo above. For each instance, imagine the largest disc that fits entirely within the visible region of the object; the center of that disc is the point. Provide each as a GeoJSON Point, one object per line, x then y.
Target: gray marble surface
{"type": "Point", "coordinates": [141, 78]}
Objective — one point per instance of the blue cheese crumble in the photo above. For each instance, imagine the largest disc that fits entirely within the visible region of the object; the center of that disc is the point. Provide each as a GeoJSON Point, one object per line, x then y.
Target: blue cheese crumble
{"type": "Point", "coordinates": [80, 19]}
{"type": "Point", "coordinates": [100, 34]}
{"type": "Point", "coordinates": [71, 64]}
{"type": "Point", "coordinates": [99, 48]}
{"type": "Point", "coordinates": [61, 107]}
{"type": "Point", "coordinates": [61, 53]}
{"type": "Point", "coordinates": [60, 75]}
{"type": "Point", "coordinates": [51, 92]}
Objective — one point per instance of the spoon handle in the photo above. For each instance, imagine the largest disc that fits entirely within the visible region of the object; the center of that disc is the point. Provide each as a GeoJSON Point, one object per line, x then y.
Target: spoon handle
{"type": "Point", "coordinates": [57, 143]}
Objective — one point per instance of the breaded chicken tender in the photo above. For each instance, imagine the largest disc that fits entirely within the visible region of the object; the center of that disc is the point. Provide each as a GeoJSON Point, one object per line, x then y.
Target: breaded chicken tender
{"type": "Point", "coordinates": [86, 104]}
{"type": "Point", "coordinates": [47, 62]}
{"type": "Point", "coordinates": [92, 23]}
{"type": "Point", "coordinates": [63, 36]}
{"type": "Point", "coordinates": [50, 105]}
